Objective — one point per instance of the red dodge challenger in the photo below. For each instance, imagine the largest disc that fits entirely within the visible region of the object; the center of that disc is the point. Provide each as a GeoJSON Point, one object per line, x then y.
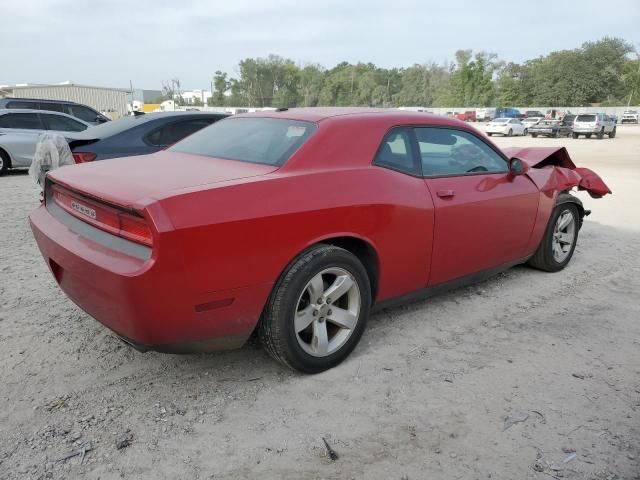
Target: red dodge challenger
{"type": "Point", "coordinates": [295, 223]}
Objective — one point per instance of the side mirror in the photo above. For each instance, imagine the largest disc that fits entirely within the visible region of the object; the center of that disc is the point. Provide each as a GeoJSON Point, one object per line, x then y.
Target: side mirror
{"type": "Point", "coordinates": [517, 167]}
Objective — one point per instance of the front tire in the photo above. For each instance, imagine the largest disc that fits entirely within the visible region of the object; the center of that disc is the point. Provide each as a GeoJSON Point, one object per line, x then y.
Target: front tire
{"type": "Point", "coordinates": [601, 134]}
{"type": "Point", "coordinates": [525, 132]}
{"type": "Point", "coordinates": [559, 240]}
{"type": "Point", "coordinates": [318, 310]}
{"type": "Point", "coordinates": [534, 135]}
{"type": "Point", "coordinates": [509, 133]}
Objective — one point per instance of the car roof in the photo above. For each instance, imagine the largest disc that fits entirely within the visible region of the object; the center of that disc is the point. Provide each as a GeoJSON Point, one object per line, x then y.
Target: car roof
{"type": "Point", "coordinates": [6, 111]}
{"type": "Point", "coordinates": [325, 114]}
{"type": "Point", "coordinates": [34, 100]}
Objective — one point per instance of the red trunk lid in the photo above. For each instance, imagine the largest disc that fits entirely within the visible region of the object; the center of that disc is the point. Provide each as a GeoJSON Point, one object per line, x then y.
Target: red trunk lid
{"type": "Point", "coordinates": [134, 181]}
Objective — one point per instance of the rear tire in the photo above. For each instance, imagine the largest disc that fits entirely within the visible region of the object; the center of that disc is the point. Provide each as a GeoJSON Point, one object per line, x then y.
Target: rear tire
{"type": "Point", "coordinates": [612, 134]}
{"type": "Point", "coordinates": [575, 135]}
{"type": "Point", "coordinates": [509, 133]}
{"type": "Point", "coordinates": [4, 162]}
{"type": "Point", "coordinates": [534, 135]}
{"type": "Point", "coordinates": [559, 241]}
{"type": "Point", "coordinates": [600, 134]}
{"type": "Point", "coordinates": [302, 326]}
{"type": "Point", "coordinates": [490, 134]}
{"type": "Point", "coordinates": [588, 135]}
{"type": "Point", "coordinates": [525, 133]}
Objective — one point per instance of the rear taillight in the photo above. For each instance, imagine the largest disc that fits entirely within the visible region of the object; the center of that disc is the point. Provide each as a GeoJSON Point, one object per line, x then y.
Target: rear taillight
{"type": "Point", "coordinates": [110, 219]}
{"type": "Point", "coordinates": [83, 157]}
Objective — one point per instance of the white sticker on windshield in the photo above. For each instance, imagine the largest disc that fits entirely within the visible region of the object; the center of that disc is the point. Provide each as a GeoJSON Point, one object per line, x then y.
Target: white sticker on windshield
{"type": "Point", "coordinates": [296, 131]}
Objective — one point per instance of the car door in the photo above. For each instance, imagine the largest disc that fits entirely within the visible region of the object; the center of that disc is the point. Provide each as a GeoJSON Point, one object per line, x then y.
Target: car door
{"type": "Point", "coordinates": [483, 215]}
{"type": "Point", "coordinates": [23, 129]}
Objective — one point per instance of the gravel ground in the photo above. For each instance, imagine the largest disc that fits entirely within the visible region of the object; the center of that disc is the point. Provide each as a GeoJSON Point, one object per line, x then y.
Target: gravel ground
{"type": "Point", "coordinates": [526, 376]}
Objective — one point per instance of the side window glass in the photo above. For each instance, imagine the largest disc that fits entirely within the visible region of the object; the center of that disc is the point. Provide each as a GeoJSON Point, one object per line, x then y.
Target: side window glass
{"type": "Point", "coordinates": [395, 152]}
{"type": "Point", "coordinates": [54, 107]}
{"type": "Point", "coordinates": [63, 124]}
{"type": "Point", "coordinates": [454, 152]}
{"type": "Point", "coordinates": [28, 121]}
{"type": "Point", "coordinates": [24, 105]}
{"type": "Point", "coordinates": [83, 113]}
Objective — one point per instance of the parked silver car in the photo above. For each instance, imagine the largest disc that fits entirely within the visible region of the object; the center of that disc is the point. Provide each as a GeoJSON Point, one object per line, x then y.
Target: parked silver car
{"type": "Point", "coordinates": [20, 130]}
{"type": "Point", "coordinates": [597, 124]}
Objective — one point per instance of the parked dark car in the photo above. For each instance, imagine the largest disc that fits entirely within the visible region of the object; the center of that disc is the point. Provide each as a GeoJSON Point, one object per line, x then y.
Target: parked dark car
{"type": "Point", "coordinates": [137, 135]}
{"type": "Point", "coordinates": [83, 112]}
{"type": "Point", "coordinates": [533, 113]}
{"type": "Point", "coordinates": [553, 128]}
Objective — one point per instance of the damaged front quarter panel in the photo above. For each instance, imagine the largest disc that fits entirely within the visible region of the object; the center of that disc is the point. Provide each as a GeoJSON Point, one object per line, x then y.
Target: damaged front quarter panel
{"type": "Point", "coordinates": [553, 171]}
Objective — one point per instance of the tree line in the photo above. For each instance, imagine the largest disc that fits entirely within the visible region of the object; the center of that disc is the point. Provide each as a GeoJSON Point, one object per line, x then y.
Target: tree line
{"type": "Point", "coordinates": [600, 72]}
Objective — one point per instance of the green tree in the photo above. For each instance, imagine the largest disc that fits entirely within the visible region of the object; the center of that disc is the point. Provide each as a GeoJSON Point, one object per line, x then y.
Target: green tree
{"type": "Point", "coordinates": [221, 85]}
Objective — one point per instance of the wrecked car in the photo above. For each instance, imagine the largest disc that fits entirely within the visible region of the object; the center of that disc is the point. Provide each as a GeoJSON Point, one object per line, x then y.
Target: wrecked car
{"type": "Point", "coordinates": [296, 223]}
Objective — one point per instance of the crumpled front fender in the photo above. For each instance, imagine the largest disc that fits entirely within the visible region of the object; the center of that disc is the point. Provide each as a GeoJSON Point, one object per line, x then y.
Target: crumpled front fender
{"type": "Point", "coordinates": [553, 171]}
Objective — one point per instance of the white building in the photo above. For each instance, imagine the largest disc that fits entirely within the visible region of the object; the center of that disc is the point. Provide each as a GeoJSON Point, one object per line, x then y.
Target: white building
{"type": "Point", "coordinates": [192, 96]}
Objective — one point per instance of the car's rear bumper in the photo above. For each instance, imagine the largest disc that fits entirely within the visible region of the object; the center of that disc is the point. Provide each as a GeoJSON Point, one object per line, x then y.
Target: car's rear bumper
{"type": "Point", "coordinates": [586, 129]}
{"type": "Point", "coordinates": [148, 302]}
{"type": "Point", "coordinates": [497, 130]}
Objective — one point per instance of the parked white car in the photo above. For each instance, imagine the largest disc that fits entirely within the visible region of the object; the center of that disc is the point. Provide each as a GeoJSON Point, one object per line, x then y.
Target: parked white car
{"type": "Point", "coordinates": [506, 126]}
{"type": "Point", "coordinates": [629, 116]}
{"type": "Point", "coordinates": [484, 114]}
{"type": "Point", "coordinates": [21, 129]}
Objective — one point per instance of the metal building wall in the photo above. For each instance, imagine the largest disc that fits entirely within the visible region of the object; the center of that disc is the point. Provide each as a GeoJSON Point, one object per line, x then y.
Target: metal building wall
{"type": "Point", "coordinates": [102, 99]}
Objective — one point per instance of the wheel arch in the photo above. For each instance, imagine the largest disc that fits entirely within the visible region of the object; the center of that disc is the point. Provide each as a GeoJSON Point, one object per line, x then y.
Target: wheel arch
{"type": "Point", "coordinates": [362, 248]}
{"type": "Point", "coordinates": [566, 197]}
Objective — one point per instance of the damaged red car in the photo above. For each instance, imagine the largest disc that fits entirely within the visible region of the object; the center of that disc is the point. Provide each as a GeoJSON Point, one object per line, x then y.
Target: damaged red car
{"type": "Point", "coordinates": [294, 224]}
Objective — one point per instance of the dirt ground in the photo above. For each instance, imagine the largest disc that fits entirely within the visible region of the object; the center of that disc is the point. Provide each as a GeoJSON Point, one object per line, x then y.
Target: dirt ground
{"type": "Point", "coordinates": [502, 380]}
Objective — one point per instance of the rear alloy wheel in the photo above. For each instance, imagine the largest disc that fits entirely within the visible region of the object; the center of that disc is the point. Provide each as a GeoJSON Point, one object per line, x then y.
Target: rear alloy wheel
{"type": "Point", "coordinates": [612, 134]}
{"type": "Point", "coordinates": [559, 241]}
{"type": "Point", "coordinates": [318, 310]}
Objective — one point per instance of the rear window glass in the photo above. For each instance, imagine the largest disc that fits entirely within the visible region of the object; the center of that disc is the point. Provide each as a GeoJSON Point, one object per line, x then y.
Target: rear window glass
{"type": "Point", "coordinates": [586, 118]}
{"type": "Point", "coordinates": [270, 141]}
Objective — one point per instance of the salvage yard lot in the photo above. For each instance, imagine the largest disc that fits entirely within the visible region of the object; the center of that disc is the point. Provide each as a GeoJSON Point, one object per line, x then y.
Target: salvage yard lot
{"type": "Point", "coordinates": [502, 380]}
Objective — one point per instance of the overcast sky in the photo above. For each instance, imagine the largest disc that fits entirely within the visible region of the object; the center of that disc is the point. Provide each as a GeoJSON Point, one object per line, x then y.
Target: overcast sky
{"type": "Point", "coordinates": [146, 41]}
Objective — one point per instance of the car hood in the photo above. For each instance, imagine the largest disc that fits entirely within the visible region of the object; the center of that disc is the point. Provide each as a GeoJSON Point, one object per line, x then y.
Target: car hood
{"type": "Point", "coordinates": [134, 182]}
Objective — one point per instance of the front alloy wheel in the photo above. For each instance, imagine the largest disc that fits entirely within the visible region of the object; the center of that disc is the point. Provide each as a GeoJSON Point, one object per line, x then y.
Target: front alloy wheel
{"type": "Point", "coordinates": [564, 235]}
{"type": "Point", "coordinates": [560, 238]}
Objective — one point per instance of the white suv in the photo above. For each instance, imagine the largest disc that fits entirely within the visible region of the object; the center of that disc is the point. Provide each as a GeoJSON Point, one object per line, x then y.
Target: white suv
{"type": "Point", "coordinates": [597, 124]}
{"type": "Point", "coordinates": [629, 116]}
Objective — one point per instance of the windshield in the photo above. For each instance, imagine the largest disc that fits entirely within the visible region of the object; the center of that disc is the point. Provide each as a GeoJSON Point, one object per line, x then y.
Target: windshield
{"type": "Point", "coordinates": [109, 129]}
{"type": "Point", "coordinates": [270, 141]}
{"type": "Point", "coordinates": [586, 118]}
